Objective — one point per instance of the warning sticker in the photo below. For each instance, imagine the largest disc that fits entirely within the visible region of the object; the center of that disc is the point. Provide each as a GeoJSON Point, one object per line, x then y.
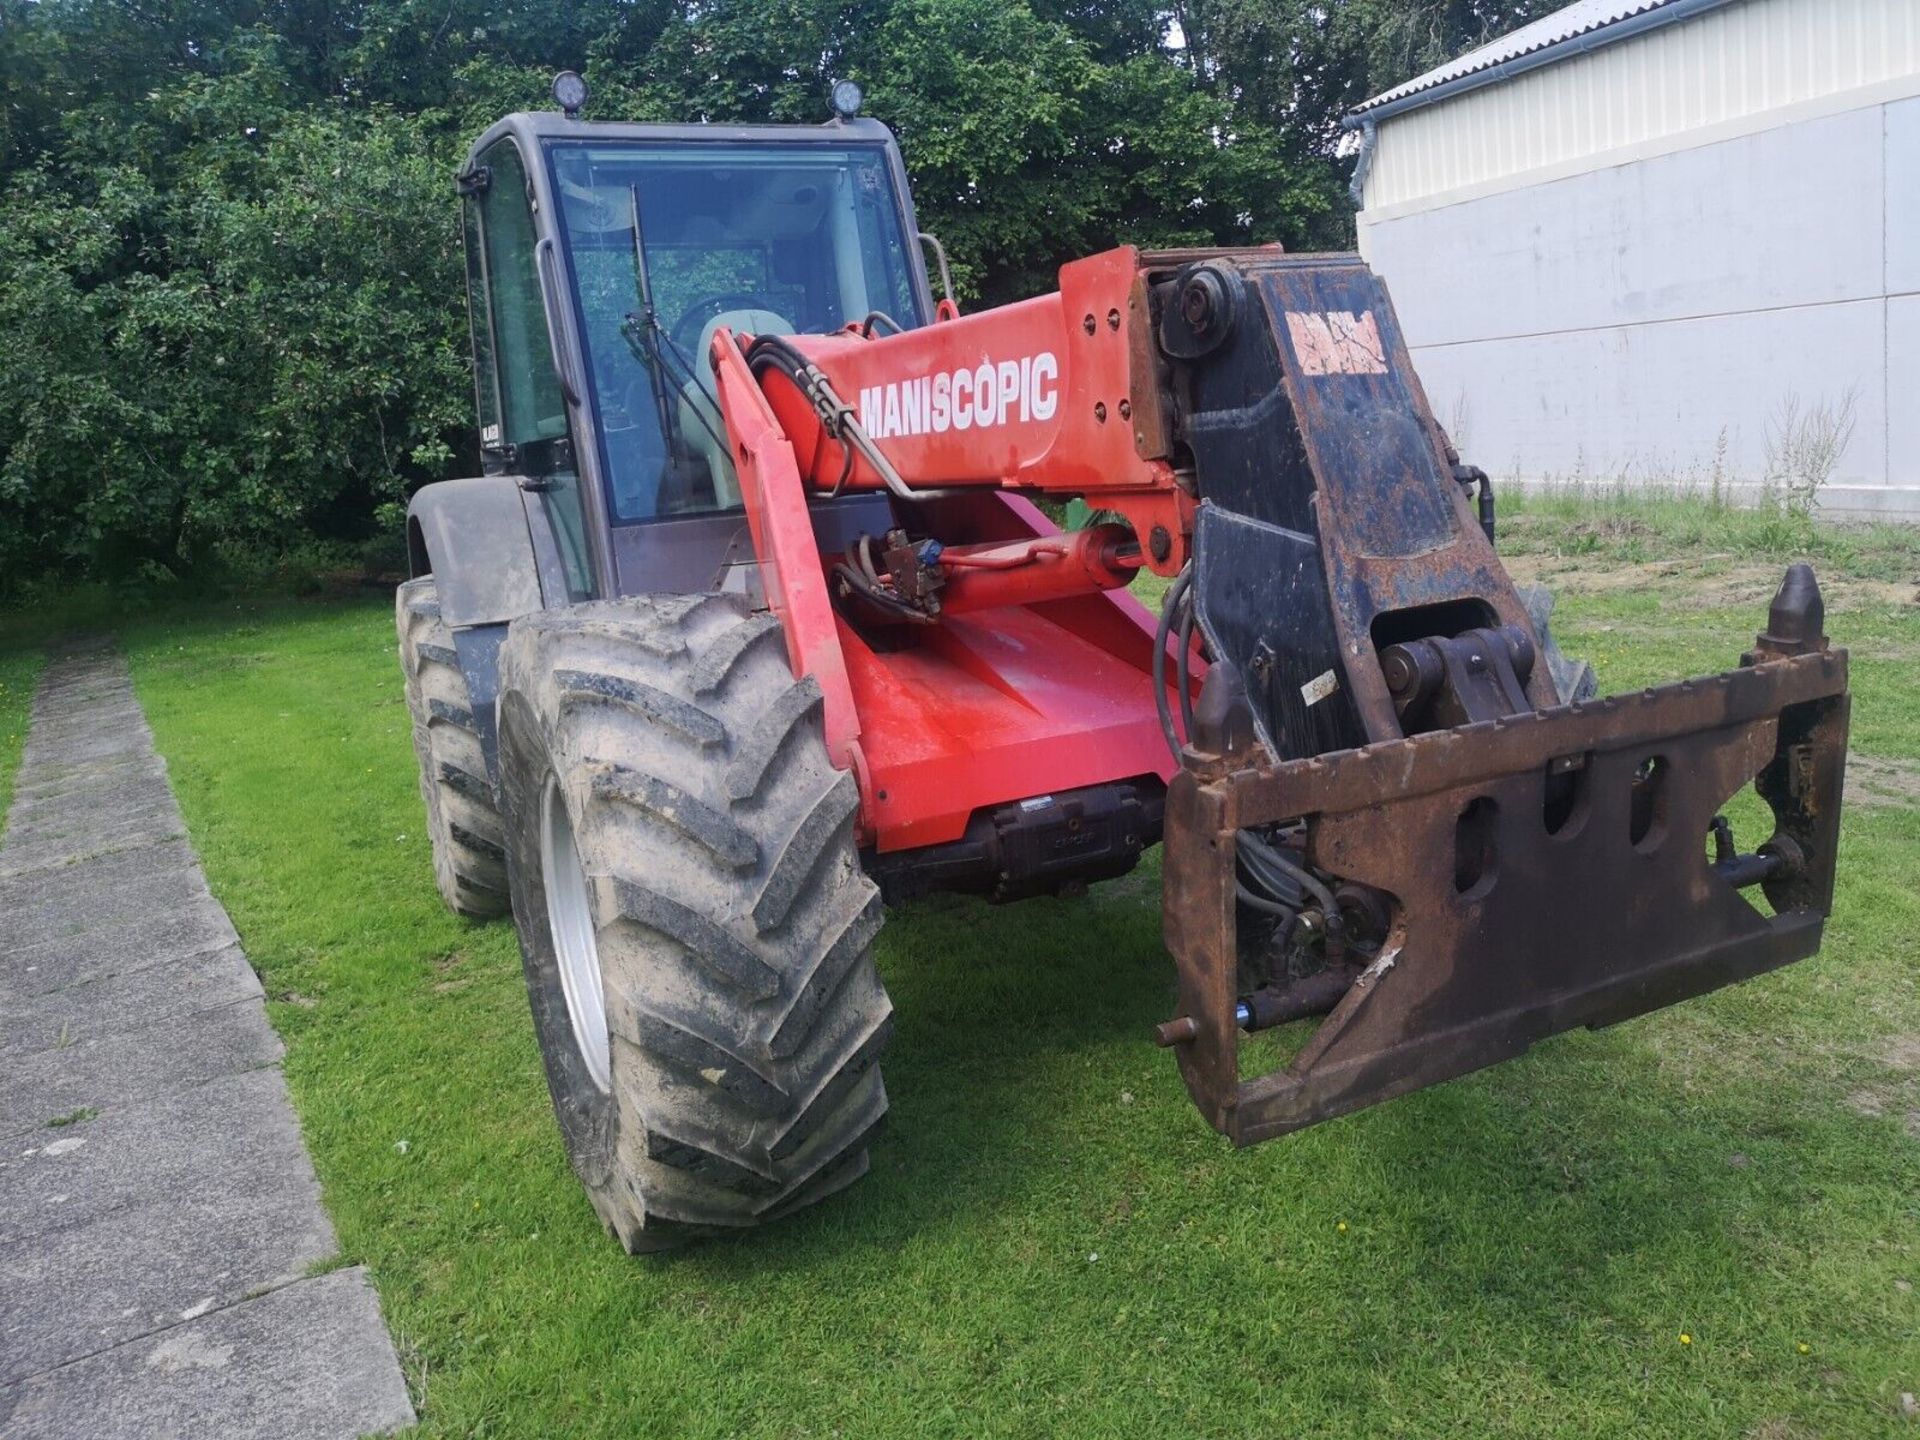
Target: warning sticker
{"type": "Point", "coordinates": [1337, 343]}
{"type": "Point", "coordinates": [1319, 688]}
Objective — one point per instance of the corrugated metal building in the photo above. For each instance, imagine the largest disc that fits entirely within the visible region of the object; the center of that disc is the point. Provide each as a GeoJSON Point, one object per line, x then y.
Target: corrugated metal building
{"type": "Point", "coordinates": [1675, 241]}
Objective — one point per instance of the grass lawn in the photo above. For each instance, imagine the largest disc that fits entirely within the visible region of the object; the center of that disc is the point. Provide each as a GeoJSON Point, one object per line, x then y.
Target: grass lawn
{"type": "Point", "coordinates": [1052, 1242]}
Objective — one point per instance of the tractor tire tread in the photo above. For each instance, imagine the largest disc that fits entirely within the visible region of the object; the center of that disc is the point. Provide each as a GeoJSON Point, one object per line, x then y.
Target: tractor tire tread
{"type": "Point", "coordinates": [464, 827]}
{"type": "Point", "coordinates": [734, 924]}
{"type": "Point", "coordinates": [769, 736]}
{"type": "Point", "coordinates": [666, 802]}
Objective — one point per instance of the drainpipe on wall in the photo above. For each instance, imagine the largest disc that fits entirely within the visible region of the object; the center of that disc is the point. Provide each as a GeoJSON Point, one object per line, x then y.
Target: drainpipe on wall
{"type": "Point", "coordinates": [1362, 167]}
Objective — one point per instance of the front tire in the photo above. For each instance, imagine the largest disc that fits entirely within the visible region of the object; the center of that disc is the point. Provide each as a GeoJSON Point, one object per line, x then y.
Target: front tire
{"type": "Point", "coordinates": [696, 929]}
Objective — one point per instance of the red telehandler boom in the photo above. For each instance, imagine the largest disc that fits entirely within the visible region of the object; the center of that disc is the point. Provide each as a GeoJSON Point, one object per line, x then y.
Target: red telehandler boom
{"type": "Point", "coordinates": [757, 620]}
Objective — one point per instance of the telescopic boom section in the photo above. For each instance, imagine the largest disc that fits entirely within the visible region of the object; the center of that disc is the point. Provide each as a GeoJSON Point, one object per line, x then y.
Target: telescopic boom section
{"type": "Point", "coordinates": [1044, 396]}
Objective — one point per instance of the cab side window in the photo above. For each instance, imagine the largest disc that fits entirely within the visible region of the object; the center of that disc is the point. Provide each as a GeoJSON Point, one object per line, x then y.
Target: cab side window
{"type": "Point", "coordinates": [523, 414]}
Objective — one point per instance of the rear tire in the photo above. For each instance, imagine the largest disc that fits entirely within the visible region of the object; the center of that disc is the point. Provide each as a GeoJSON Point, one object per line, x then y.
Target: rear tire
{"type": "Point", "coordinates": [678, 836]}
{"type": "Point", "coordinates": [463, 823]}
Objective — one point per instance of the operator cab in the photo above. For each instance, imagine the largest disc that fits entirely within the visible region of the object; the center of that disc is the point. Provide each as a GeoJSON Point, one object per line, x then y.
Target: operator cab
{"type": "Point", "coordinates": [602, 259]}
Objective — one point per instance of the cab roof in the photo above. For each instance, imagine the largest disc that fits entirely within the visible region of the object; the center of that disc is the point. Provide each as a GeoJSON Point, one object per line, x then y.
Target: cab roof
{"type": "Point", "coordinates": [534, 126]}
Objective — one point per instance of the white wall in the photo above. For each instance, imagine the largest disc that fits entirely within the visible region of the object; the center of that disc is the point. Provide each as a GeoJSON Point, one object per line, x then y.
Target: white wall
{"type": "Point", "coordinates": [1677, 85]}
{"type": "Point", "coordinates": [1653, 317]}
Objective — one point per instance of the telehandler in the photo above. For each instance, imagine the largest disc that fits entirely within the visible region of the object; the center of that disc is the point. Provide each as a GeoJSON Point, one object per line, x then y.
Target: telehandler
{"type": "Point", "coordinates": [756, 623]}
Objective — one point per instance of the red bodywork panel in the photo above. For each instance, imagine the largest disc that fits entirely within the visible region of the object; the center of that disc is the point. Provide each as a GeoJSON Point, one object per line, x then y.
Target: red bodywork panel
{"type": "Point", "coordinates": [1002, 705]}
{"type": "Point", "coordinates": [998, 704]}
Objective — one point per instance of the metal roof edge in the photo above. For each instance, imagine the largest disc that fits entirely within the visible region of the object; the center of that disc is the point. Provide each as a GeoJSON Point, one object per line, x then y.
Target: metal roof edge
{"type": "Point", "coordinates": [1553, 52]}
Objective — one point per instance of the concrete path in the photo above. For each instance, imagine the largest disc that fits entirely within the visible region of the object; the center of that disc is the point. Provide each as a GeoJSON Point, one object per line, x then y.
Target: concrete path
{"type": "Point", "coordinates": [160, 1223]}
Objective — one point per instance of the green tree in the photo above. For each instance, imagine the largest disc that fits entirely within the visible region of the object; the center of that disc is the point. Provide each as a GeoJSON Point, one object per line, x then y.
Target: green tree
{"type": "Point", "coordinates": [1302, 65]}
{"type": "Point", "coordinates": [235, 317]}
{"type": "Point", "coordinates": [229, 248]}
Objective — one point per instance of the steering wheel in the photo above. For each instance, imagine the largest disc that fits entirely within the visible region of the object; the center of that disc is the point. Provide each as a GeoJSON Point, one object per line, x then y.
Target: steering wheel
{"type": "Point", "coordinates": [686, 330]}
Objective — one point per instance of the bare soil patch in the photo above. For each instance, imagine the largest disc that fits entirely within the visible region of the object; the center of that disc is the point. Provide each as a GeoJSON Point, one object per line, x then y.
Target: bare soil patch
{"type": "Point", "coordinates": [1698, 583]}
{"type": "Point", "coordinates": [1875, 782]}
{"type": "Point", "coordinates": [1903, 1052]}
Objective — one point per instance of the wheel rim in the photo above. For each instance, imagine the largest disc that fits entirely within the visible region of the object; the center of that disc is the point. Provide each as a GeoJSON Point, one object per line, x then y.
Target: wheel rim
{"type": "Point", "coordinates": [570, 918]}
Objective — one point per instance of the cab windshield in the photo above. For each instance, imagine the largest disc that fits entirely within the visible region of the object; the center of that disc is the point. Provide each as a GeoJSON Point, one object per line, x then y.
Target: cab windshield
{"type": "Point", "coordinates": [670, 242]}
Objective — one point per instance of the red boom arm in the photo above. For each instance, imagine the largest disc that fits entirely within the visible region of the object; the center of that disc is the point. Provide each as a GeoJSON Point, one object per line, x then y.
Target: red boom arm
{"type": "Point", "coordinates": [1037, 676]}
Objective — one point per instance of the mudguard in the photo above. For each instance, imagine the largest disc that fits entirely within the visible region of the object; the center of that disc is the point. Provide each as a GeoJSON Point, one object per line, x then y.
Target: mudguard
{"type": "Point", "coordinates": [474, 538]}
{"type": "Point", "coordinates": [480, 541]}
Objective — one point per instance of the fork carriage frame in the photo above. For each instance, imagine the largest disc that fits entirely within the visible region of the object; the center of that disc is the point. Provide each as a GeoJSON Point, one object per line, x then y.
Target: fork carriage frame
{"type": "Point", "coordinates": [1586, 926]}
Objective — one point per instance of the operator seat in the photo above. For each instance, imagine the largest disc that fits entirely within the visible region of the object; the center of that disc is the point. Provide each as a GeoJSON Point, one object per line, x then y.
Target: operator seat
{"type": "Point", "coordinates": [701, 426]}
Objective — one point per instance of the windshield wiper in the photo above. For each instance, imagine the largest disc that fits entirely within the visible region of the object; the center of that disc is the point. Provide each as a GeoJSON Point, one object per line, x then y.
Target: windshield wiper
{"type": "Point", "coordinates": [642, 331]}
{"type": "Point", "coordinates": [648, 339]}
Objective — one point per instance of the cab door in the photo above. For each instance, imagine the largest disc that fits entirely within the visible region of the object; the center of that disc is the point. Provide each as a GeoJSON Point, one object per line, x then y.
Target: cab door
{"type": "Point", "coordinates": [525, 426]}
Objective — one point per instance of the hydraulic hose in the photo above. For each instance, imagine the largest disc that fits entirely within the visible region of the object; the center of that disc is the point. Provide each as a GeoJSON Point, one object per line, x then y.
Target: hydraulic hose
{"type": "Point", "coordinates": [1263, 904]}
{"type": "Point", "coordinates": [1308, 881]}
{"type": "Point", "coordinates": [1175, 593]}
{"type": "Point", "coordinates": [1271, 880]}
{"type": "Point", "coordinates": [835, 414]}
{"type": "Point", "coordinates": [1300, 875]}
{"type": "Point", "coordinates": [1184, 668]}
